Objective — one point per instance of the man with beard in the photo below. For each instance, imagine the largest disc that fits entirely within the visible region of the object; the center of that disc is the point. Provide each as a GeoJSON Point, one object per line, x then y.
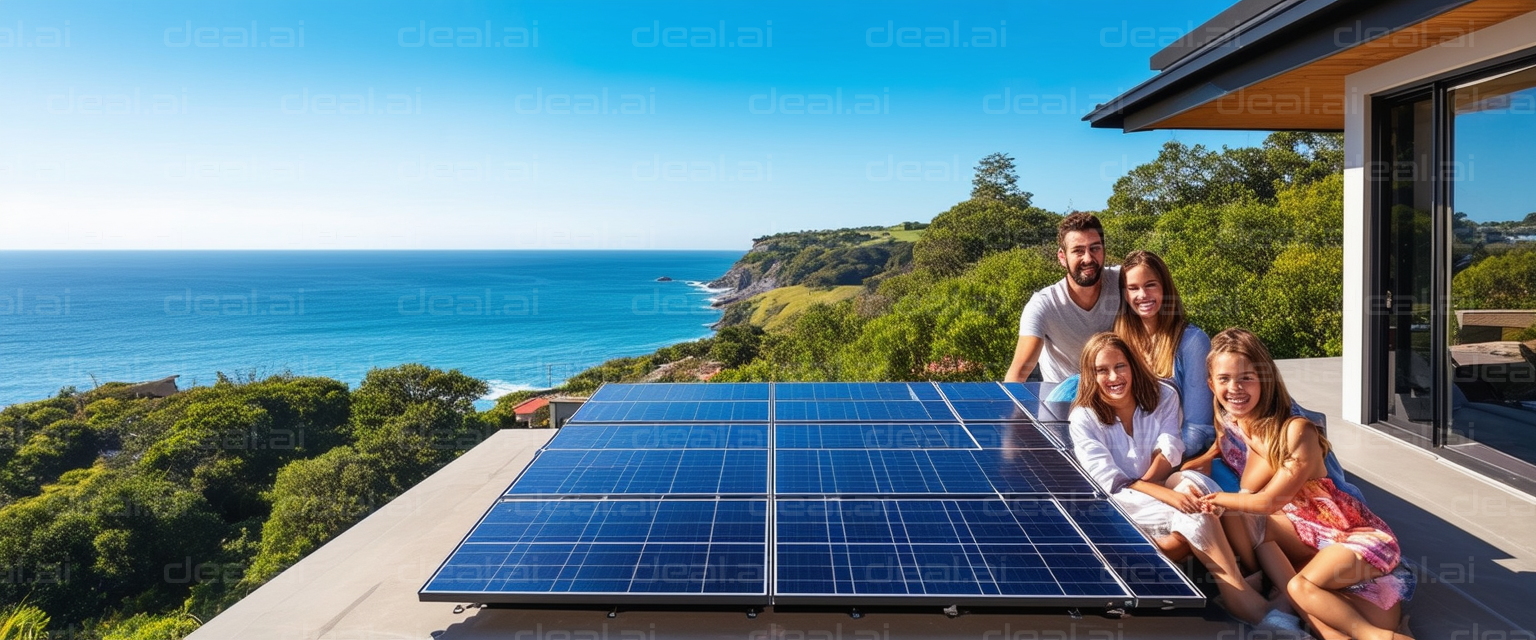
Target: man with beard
{"type": "Point", "coordinates": [1058, 320]}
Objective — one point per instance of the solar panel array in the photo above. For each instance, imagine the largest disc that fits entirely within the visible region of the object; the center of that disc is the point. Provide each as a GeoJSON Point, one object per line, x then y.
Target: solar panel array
{"type": "Point", "coordinates": [810, 494]}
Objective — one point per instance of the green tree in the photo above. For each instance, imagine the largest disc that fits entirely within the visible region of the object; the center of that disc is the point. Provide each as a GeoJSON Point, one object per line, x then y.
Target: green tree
{"type": "Point", "coordinates": [736, 345]}
{"type": "Point", "coordinates": [1503, 281]}
{"type": "Point", "coordinates": [313, 500]}
{"type": "Point", "coordinates": [101, 538]}
{"type": "Point", "coordinates": [978, 227]}
{"type": "Point", "coordinates": [997, 180]}
{"type": "Point", "coordinates": [1300, 311]}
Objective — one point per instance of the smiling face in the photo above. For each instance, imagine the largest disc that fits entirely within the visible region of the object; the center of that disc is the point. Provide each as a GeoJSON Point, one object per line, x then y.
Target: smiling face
{"type": "Point", "coordinates": [1112, 372]}
{"type": "Point", "coordinates": [1082, 253]}
{"type": "Point", "coordinates": [1235, 382]}
{"type": "Point", "coordinates": [1143, 291]}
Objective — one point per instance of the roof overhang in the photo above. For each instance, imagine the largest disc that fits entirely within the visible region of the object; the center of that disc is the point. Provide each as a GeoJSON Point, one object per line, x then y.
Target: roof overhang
{"type": "Point", "coordinates": [1282, 65]}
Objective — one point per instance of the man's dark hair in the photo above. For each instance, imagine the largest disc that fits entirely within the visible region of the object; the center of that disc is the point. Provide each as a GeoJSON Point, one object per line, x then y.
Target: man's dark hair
{"type": "Point", "coordinates": [1079, 221]}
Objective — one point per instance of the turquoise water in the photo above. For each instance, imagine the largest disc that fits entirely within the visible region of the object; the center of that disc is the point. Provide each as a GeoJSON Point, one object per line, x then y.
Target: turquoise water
{"type": "Point", "coordinates": [513, 318]}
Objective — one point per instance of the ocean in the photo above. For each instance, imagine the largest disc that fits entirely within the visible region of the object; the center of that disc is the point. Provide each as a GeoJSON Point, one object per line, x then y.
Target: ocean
{"type": "Point", "coordinates": [516, 319]}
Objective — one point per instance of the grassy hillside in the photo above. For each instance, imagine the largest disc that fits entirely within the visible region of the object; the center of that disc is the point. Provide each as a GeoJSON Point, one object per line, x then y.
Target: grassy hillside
{"type": "Point", "coordinates": [774, 309]}
{"type": "Point", "coordinates": [896, 233]}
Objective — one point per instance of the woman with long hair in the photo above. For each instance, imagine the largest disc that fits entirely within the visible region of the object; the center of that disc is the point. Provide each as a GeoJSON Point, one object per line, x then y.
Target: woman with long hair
{"type": "Point", "coordinates": [1346, 585]}
{"type": "Point", "coordinates": [1153, 323]}
{"type": "Point", "coordinates": [1125, 433]}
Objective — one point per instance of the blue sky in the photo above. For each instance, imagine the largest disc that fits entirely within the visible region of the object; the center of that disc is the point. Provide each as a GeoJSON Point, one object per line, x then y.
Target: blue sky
{"type": "Point", "coordinates": [243, 125]}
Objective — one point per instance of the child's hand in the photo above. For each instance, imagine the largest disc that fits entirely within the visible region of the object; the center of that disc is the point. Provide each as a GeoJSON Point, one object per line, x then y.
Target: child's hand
{"type": "Point", "coordinates": [1209, 503]}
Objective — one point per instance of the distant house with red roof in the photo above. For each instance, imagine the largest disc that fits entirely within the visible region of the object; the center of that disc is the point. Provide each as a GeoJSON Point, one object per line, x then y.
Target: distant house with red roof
{"type": "Point", "coordinates": [524, 411]}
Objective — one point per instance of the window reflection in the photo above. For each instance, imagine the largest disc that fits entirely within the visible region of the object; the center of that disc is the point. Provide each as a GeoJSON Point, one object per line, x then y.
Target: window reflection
{"type": "Point", "coordinates": [1493, 266]}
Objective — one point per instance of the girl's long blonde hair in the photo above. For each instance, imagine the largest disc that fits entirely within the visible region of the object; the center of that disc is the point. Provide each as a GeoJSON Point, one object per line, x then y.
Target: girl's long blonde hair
{"type": "Point", "coordinates": [1159, 346]}
{"type": "Point", "coordinates": [1274, 408]}
{"type": "Point", "coordinates": [1143, 386]}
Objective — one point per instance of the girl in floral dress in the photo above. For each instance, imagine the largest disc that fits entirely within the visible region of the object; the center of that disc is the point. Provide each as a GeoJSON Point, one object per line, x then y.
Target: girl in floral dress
{"type": "Point", "coordinates": [1342, 548]}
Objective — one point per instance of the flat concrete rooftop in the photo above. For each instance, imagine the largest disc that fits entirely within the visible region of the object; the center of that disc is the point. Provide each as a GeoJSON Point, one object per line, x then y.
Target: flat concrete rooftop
{"type": "Point", "coordinates": [1472, 541]}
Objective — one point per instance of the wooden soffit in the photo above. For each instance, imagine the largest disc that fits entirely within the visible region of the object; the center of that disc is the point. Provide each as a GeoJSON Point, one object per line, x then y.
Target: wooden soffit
{"type": "Point", "coordinates": [1312, 97]}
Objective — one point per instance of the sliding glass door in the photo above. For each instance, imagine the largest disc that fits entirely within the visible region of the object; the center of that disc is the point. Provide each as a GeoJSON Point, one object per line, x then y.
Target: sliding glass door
{"type": "Point", "coordinates": [1453, 333]}
{"type": "Point", "coordinates": [1492, 140]}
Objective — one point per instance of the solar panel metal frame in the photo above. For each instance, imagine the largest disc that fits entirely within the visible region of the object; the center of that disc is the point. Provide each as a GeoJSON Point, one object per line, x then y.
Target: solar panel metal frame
{"type": "Point", "coordinates": [770, 574]}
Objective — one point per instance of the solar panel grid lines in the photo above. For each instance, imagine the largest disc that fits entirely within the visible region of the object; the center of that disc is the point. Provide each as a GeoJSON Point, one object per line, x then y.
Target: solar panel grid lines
{"type": "Point", "coordinates": [595, 550]}
{"type": "Point", "coordinates": [1149, 574]}
{"type": "Point", "coordinates": [931, 550]}
{"type": "Point", "coordinates": [661, 436]}
{"type": "Point", "coordinates": [951, 405]}
{"type": "Point", "coordinates": [675, 411]}
{"type": "Point", "coordinates": [1149, 577]}
{"type": "Point", "coordinates": [770, 568]}
{"type": "Point", "coordinates": [873, 436]}
{"type": "Point", "coordinates": [1130, 602]}
{"type": "Point", "coordinates": [969, 505]}
{"type": "Point", "coordinates": [1017, 434]}
{"type": "Point", "coordinates": [680, 391]}
{"type": "Point", "coordinates": [601, 472]}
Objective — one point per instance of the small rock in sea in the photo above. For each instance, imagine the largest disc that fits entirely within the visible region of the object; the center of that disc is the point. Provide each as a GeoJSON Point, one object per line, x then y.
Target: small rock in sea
{"type": "Point", "coordinates": [664, 279]}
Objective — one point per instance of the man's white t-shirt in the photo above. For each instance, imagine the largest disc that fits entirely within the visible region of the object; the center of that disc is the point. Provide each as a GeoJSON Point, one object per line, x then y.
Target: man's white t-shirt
{"type": "Point", "coordinates": [1064, 327]}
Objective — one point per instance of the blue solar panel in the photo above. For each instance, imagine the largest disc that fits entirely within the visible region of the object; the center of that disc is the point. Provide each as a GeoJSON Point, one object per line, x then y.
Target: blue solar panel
{"type": "Point", "coordinates": [1102, 522]}
{"type": "Point", "coordinates": [882, 493]}
{"type": "Point", "coordinates": [931, 471]}
{"type": "Point", "coordinates": [988, 410]}
{"type": "Point", "coordinates": [741, 436]}
{"type": "Point", "coordinates": [1029, 395]}
{"type": "Point", "coordinates": [861, 411]}
{"type": "Point", "coordinates": [1148, 573]}
{"type": "Point", "coordinates": [852, 391]}
{"type": "Point", "coordinates": [648, 472]}
{"type": "Point", "coordinates": [1033, 471]}
{"type": "Point", "coordinates": [1061, 432]}
{"type": "Point", "coordinates": [672, 411]}
{"type": "Point", "coordinates": [1025, 392]}
{"type": "Point", "coordinates": [872, 436]}
{"type": "Point", "coordinates": [1010, 435]}
{"type": "Point", "coordinates": [939, 548]}
{"type": "Point", "coordinates": [659, 391]}
{"type": "Point", "coordinates": [610, 549]}
{"type": "Point", "coordinates": [961, 391]}
{"type": "Point", "coordinates": [869, 472]}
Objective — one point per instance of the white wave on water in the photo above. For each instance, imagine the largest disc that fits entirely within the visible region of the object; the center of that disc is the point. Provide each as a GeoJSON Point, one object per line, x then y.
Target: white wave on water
{"type": "Point", "coordinates": [704, 286]}
{"type": "Point", "coordinates": [500, 388]}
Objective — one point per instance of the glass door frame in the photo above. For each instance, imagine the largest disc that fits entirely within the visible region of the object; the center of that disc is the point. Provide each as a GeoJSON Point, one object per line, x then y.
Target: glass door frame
{"type": "Point", "coordinates": [1442, 180]}
{"type": "Point", "coordinates": [1378, 387]}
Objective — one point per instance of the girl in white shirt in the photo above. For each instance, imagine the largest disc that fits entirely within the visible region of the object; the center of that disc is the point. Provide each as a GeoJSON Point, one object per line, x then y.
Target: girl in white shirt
{"type": "Point", "coordinates": [1125, 433]}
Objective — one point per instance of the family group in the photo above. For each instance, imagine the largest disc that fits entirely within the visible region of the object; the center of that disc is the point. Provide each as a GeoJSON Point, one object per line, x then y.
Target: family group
{"type": "Point", "coordinates": [1196, 438]}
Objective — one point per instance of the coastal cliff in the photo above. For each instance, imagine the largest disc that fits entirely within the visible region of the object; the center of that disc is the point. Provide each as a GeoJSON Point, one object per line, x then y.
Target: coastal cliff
{"type": "Point", "coordinates": [745, 280]}
{"type": "Point", "coordinates": [819, 260]}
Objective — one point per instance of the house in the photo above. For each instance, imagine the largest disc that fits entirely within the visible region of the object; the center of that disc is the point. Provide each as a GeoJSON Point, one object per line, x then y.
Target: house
{"type": "Point", "coordinates": [524, 411]}
{"type": "Point", "coordinates": [162, 388]}
{"type": "Point", "coordinates": [561, 408]}
{"type": "Point", "coordinates": [1437, 103]}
